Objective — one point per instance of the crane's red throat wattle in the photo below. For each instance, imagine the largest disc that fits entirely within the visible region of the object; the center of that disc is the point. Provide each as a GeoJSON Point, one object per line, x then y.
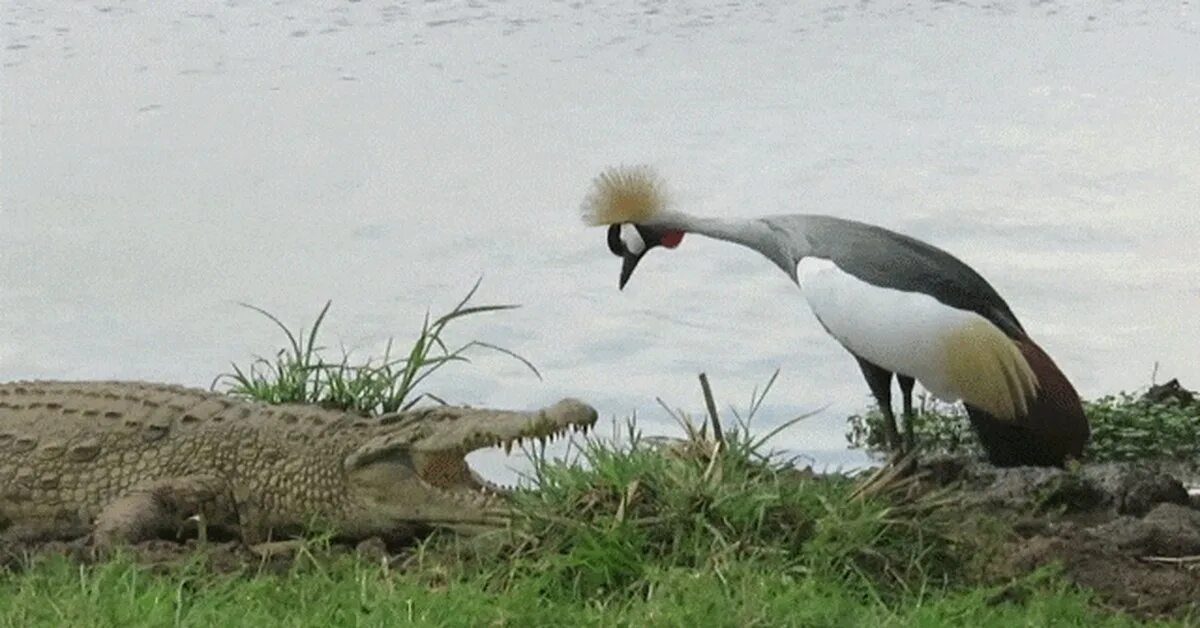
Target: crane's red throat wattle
{"type": "Point", "coordinates": [671, 238]}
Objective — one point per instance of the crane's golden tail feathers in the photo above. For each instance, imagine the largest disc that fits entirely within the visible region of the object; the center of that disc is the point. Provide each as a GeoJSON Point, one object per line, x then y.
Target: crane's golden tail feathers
{"type": "Point", "coordinates": [989, 370]}
{"type": "Point", "coordinates": [1053, 428]}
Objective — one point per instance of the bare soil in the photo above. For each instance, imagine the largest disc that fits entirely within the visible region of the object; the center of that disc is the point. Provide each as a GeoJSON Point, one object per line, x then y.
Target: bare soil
{"type": "Point", "coordinates": [1129, 532]}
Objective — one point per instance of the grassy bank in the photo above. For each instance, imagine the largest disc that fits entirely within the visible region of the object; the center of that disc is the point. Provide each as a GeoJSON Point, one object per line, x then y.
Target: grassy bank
{"type": "Point", "coordinates": [680, 533]}
{"type": "Point", "coordinates": [703, 531]}
{"type": "Point", "coordinates": [685, 533]}
{"type": "Point", "coordinates": [353, 593]}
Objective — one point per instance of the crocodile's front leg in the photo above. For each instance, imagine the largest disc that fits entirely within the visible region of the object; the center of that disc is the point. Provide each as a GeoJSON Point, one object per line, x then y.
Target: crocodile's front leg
{"type": "Point", "coordinates": [162, 507]}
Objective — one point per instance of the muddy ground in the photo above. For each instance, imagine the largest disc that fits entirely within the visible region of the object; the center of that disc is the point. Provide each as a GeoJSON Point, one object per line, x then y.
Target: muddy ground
{"type": "Point", "coordinates": [1129, 532]}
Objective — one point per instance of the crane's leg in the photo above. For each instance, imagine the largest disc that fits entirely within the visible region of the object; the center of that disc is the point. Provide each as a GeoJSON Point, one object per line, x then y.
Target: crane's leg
{"type": "Point", "coordinates": [906, 392]}
{"type": "Point", "coordinates": [880, 382]}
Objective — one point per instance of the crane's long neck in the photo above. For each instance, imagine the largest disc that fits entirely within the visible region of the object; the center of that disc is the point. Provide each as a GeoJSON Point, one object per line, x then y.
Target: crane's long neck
{"type": "Point", "coordinates": [754, 233]}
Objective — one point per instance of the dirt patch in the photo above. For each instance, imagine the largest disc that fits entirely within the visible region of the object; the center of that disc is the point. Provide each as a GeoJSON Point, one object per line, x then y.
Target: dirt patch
{"type": "Point", "coordinates": [1130, 532]}
{"type": "Point", "coordinates": [1119, 578]}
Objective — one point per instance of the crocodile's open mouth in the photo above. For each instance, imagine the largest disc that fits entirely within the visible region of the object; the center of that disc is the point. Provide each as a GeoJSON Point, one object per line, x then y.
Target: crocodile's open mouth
{"type": "Point", "coordinates": [446, 468]}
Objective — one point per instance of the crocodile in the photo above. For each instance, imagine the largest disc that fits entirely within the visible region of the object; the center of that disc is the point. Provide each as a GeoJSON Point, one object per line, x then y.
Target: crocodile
{"type": "Point", "coordinates": [120, 462]}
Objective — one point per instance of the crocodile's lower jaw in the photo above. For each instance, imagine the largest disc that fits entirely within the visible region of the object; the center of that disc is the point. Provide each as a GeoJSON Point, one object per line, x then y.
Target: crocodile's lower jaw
{"type": "Point", "coordinates": [448, 473]}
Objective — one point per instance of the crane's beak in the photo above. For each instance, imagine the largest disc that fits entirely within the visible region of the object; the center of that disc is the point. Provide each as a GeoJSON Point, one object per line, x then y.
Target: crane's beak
{"type": "Point", "coordinates": [631, 242]}
{"type": "Point", "coordinates": [629, 261]}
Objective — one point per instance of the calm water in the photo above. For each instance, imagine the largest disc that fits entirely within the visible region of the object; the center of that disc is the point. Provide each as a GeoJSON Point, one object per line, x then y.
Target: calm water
{"type": "Point", "coordinates": [163, 161]}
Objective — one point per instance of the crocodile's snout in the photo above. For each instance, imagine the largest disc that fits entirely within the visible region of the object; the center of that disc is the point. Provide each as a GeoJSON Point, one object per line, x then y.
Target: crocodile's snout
{"type": "Point", "coordinates": [440, 454]}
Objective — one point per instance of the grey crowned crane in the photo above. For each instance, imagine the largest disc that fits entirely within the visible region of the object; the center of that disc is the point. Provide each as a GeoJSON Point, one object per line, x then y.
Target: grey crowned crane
{"type": "Point", "coordinates": [898, 305]}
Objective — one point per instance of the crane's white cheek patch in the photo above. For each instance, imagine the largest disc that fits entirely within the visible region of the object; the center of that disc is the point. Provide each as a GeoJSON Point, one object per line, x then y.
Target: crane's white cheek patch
{"type": "Point", "coordinates": [632, 239]}
{"type": "Point", "coordinates": [955, 354]}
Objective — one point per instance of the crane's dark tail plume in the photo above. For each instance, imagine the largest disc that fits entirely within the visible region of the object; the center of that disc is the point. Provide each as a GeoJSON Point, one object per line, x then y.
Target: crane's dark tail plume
{"type": "Point", "coordinates": [1052, 431]}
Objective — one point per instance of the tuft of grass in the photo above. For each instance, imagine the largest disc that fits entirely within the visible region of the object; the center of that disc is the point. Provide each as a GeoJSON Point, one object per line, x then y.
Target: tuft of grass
{"type": "Point", "coordinates": [299, 372]}
{"type": "Point", "coordinates": [608, 525]}
{"type": "Point", "coordinates": [1125, 427]}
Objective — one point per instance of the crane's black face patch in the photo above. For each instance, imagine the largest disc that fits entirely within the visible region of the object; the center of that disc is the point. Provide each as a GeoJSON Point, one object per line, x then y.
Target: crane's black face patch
{"type": "Point", "coordinates": [614, 240]}
{"type": "Point", "coordinates": [631, 241]}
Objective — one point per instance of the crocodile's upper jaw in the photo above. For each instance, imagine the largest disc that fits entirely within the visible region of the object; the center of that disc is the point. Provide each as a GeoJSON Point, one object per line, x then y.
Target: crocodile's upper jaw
{"type": "Point", "coordinates": [440, 456]}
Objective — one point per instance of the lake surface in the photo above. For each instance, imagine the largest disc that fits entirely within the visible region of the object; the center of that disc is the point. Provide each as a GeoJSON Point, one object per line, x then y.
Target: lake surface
{"type": "Point", "coordinates": [163, 161]}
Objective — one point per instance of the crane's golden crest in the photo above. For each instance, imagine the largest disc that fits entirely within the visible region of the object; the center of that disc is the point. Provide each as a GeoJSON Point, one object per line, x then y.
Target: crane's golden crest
{"type": "Point", "coordinates": [624, 194]}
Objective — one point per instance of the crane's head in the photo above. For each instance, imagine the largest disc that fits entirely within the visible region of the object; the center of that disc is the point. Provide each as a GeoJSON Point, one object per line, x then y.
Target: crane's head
{"type": "Point", "coordinates": [629, 200]}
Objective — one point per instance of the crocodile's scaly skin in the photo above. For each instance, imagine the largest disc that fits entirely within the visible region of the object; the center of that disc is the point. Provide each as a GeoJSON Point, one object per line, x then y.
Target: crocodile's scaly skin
{"type": "Point", "coordinates": [136, 459]}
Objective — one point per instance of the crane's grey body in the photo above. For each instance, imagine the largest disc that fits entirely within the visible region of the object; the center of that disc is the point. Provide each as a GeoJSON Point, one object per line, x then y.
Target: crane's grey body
{"type": "Point", "coordinates": [893, 260]}
{"type": "Point", "coordinates": [873, 254]}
